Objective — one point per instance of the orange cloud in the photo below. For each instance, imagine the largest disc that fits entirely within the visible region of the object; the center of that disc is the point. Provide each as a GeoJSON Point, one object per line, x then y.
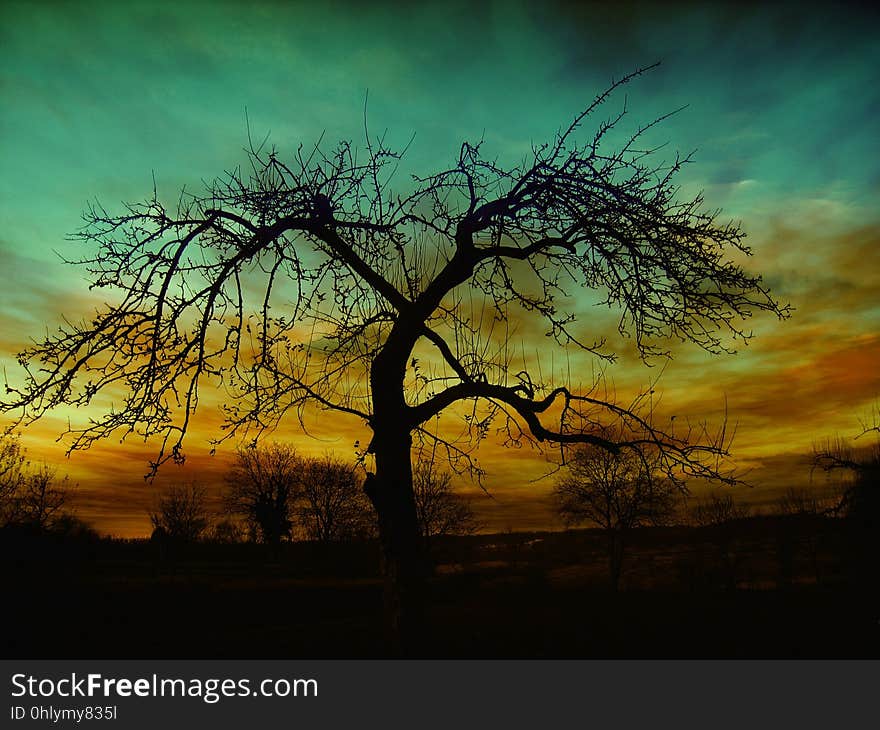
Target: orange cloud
{"type": "Point", "coordinates": [798, 381]}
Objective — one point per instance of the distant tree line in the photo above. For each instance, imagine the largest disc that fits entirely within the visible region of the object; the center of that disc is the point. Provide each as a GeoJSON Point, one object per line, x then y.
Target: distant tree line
{"type": "Point", "coordinates": [273, 494]}
{"type": "Point", "coordinates": [618, 492]}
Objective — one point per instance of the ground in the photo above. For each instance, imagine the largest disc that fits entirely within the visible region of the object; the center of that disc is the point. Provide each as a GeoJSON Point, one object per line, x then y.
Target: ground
{"type": "Point", "coordinates": [760, 588]}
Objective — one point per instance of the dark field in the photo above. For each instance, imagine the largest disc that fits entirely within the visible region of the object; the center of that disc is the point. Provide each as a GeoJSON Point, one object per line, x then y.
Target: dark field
{"type": "Point", "coordinates": [765, 587]}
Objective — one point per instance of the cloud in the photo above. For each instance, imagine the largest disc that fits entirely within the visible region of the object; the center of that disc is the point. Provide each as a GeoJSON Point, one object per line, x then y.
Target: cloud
{"type": "Point", "coordinates": [109, 94]}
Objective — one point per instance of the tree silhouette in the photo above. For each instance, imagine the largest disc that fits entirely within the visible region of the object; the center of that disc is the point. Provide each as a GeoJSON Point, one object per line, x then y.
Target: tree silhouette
{"type": "Point", "coordinates": [227, 531]}
{"type": "Point", "coordinates": [718, 509]}
{"type": "Point", "coordinates": [859, 504]}
{"type": "Point", "coordinates": [13, 464]}
{"type": "Point", "coordinates": [439, 510]}
{"type": "Point", "coordinates": [397, 305]}
{"type": "Point", "coordinates": [31, 495]}
{"type": "Point", "coordinates": [616, 492]}
{"type": "Point", "coordinates": [42, 497]}
{"type": "Point", "coordinates": [181, 514]}
{"type": "Point", "coordinates": [803, 511]}
{"type": "Point", "coordinates": [798, 502]}
{"type": "Point", "coordinates": [262, 488]}
{"type": "Point", "coordinates": [332, 506]}
{"type": "Point", "coordinates": [721, 512]}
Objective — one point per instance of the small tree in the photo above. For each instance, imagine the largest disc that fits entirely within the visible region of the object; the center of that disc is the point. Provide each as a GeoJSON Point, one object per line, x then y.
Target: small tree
{"type": "Point", "coordinates": [31, 495]}
{"type": "Point", "coordinates": [332, 506]}
{"type": "Point", "coordinates": [718, 509]}
{"type": "Point", "coordinates": [440, 511]}
{"type": "Point", "coordinates": [181, 513]}
{"type": "Point", "coordinates": [859, 504]}
{"type": "Point", "coordinates": [12, 467]}
{"type": "Point", "coordinates": [41, 498]}
{"type": "Point", "coordinates": [808, 510]}
{"type": "Point", "coordinates": [862, 463]}
{"type": "Point", "coordinates": [720, 512]}
{"type": "Point", "coordinates": [227, 531]}
{"type": "Point", "coordinates": [798, 502]}
{"type": "Point", "coordinates": [616, 492]}
{"type": "Point", "coordinates": [262, 488]}
{"type": "Point", "coordinates": [71, 526]}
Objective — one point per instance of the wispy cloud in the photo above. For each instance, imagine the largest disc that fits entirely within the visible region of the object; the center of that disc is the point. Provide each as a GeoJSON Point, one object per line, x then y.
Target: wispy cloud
{"type": "Point", "coordinates": [782, 110]}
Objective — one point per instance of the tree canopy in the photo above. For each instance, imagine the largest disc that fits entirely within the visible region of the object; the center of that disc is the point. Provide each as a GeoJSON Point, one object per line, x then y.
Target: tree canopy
{"type": "Point", "coordinates": [314, 279]}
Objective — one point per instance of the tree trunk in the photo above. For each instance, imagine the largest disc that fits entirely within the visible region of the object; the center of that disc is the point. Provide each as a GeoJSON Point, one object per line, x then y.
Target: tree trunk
{"type": "Point", "coordinates": [615, 558]}
{"type": "Point", "coordinates": [403, 554]}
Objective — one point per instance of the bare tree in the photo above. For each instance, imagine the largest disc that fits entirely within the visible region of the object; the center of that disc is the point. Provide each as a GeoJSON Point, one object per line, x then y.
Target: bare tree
{"type": "Point", "coordinates": [800, 501]}
{"type": "Point", "coordinates": [42, 497]}
{"type": "Point", "coordinates": [718, 509]}
{"type": "Point", "coordinates": [70, 526]}
{"type": "Point", "coordinates": [440, 511]}
{"type": "Point", "coordinates": [31, 495]}
{"type": "Point", "coordinates": [396, 305]}
{"type": "Point", "coordinates": [862, 463]}
{"type": "Point", "coordinates": [809, 510]}
{"type": "Point", "coordinates": [332, 506]}
{"type": "Point", "coordinates": [227, 531]}
{"type": "Point", "coordinates": [13, 464]}
{"type": "Point", "coordinates": [721, 512]}
{"type": "Point", "coordinates": [262, 488]}
{"type": "Point", "coordinates": [616, 492]}
{"type": "Point", "coordinates": [181, 513]}
{"type": "Point", "coordinates": [859, 504]}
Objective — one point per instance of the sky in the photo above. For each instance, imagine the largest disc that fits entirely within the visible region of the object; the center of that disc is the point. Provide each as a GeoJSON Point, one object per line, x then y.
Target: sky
{"type": "Point", "coordinates": [782, 103]}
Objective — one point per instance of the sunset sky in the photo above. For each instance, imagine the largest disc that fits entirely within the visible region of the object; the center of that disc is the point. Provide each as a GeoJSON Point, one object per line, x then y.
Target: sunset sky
{"type": "Point", "coordinates": [782, 113]}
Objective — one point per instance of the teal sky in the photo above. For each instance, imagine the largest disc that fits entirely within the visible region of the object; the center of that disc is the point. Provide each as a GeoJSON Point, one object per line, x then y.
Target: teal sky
{"type": "Point", "coordinates": [783, 103]}
{"type": "Point", "coordinates": [783, 114]}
